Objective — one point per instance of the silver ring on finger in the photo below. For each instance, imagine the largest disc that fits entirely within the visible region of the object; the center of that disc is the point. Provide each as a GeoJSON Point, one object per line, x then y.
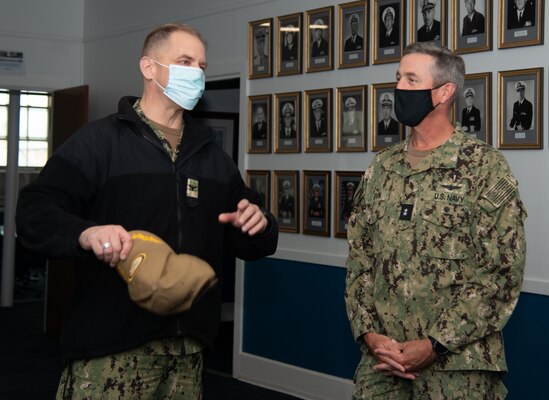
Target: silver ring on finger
{"type": "Point", "coordinates": [107, 245]}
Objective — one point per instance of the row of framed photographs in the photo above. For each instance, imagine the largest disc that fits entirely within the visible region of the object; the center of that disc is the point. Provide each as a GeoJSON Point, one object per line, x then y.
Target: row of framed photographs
{"type": "Point", "coordinates": [520, 24]}
{"type": "Point", "coordinates": [519, 115]}
{"type": "Point", "coordinates": [314, 215]}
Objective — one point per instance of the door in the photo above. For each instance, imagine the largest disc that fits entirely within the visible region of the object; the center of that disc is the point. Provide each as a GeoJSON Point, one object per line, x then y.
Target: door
{"type": "Point", "coordinates": [69, 112]}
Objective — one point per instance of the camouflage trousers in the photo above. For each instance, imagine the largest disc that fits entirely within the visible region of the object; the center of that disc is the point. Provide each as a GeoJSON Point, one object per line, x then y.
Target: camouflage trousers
{"type": "Point", "coordinates": [430, 385]}
{"type": "Point", "coordinates": [152, 371]}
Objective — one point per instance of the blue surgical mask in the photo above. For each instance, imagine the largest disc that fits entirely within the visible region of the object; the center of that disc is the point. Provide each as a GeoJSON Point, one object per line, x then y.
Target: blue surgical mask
{"type": "Point", "coordinates": [185, 85]}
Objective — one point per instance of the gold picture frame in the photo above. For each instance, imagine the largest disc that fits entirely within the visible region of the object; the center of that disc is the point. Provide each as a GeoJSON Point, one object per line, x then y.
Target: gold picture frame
{"type": "Point", "coordinates": [351, 119]}
{"type": "Point", "coordinates": [260, 182]}
{"type": "Point", "coordinates": [286, 200]}
{"type": "Point", "coordinates": [385, 129]}
{"type": "Point", "coordinates": [472, 108]}
{"type": "Point", "coordinates": [259, 124]}
{"type": "Point", "coordinates": [520, 101]}
{"type": "Point", "coordinates": [289, 33]}
{"type": "Point", "coordinates": [353, 34]}
{"type": "Point", "coordinates": [317, 115]}
{"type": "Point", "coordinates": [346, 183]}
{"type": "Point", "coordinates": [472, 26]}
{"type": "Point", "coordinates": [389, 30]}
{"type": "Point", "coordinates": [316, 203]}
{"type": "Point", "coordinates": [528, 31]}
{"type": "Point", "coordinates": [260, 48]}
{"type": "Point", "coordinates": [287, 124]}
{"type": "Point", "coordinates": [319, 39]}
{"type": "Point", "coordinates": [434, 27]}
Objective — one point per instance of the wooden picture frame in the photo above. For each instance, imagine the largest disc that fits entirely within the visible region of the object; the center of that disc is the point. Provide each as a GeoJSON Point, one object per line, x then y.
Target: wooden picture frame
{"type": "Point", "coordinates": [520, 124]}
{"type": "Point", "coordinates": [346, 183]}
{"type": "Point", "coordinates": [319, 39]}
{"type": "Point", "coordinates": [472, 26]}
{"type": "Point", "coordinates": [260, 182]}
{"type": "Point", "coordinates": [259, 124]}
{"type": "Point", "coordinates": [289, 33]}
{"type": "Point", "coordinates": [385, 129]}
{"type": "Point", "coordinates": [286, 200]}
{"type": "Point", "coordinates": [316, 203]}
{"type": "Point", "coordinates": [351, 119]}
{"type": "Point", "coordinates": [353, 34]}
{"type": "Point", "coordinates": [429, 21]}
{"type": "Point", "coordinates": [225, 127]}
{"type": "Point", "coordinates": [528, 31]}
{"type": "Point", "coordinates": [260, 48]}
{"type": "Point", "coordinates": [388, 31]}
{"type": "Point", "coordinates": [472, 108]}
{"type": "Point", "coordinates": [318, 120]}
{"type": "Point", "coordinates": [287, 131]}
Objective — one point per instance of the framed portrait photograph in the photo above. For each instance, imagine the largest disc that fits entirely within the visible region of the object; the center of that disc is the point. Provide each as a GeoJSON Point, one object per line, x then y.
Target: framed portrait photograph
{"type": "Point", "coordinates": [316, 203]}
{"type": "Point", "coordinates": [225, 127]}
{"type": "Point", "coordinates": [318, 120]}
{"type": "Point", "coordinates": [472, 26]}
{"type": "Point", "coordinates": [346, 183]}
{"type": "Point", "coordinates": [428, 21]}
{"type": "Point", "coordinates": [286, 200]}
{"type": "Point", "coordinates": [353, 34]}
{"type": "Point", "coordinates": [259, 124]}
{"type": "Point", "coordinates": [319, 39]}
{"type": "Point", "coordinates": [472, 108]}
{"type": "Point", "coordinates": [389, 24]}
{"type": "Point", "coordinates": [260, 181]}
{"type": "Point", "coordinates": [520, 23]}
{"type": "Point", "coordinates": [520, 97]}
{"type": "Point", "coordinates": [260, 48]}
{"type": "Point", "coordinates": [288, 49]}
{"type": "Point", "coordinates": [385, 130]}
{"type": "Point", "coordinates": [287, 112]}
{"type": "Point", "coordinates": [351, 119]}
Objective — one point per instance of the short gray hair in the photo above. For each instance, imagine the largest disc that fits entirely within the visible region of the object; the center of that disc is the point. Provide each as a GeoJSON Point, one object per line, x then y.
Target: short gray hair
{"type": "Point", "coordinates": [161, 34]}
{"type": "Point", "coordinates": [448, 67]}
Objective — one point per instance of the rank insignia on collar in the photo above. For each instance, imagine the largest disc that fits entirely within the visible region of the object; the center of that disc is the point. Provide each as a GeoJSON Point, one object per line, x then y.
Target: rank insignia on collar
{"type": "Point", "coordinates": [406, 212]}
{"type": "Point", "coordinates": [192, 188]}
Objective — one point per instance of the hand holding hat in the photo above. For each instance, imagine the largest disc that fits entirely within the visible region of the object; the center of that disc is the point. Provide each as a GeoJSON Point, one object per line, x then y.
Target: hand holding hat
{"type": "Point", "coordinates": [160, 280]}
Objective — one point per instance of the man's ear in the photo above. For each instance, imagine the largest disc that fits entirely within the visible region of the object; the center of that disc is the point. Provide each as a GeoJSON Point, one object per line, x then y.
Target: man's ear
{"type": "Point", "coordinates": [448, 91]}
{"type": "Point", "coordinates": [145, 65]}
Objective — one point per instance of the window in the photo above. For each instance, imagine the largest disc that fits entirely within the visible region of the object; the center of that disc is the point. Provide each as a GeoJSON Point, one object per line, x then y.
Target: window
{"type": "Point", "coordinates": [34, 127]}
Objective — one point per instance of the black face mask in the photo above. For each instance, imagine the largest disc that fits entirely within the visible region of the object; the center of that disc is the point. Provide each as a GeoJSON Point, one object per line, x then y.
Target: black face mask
{"type": "Point", "coordinates": [412, 106]}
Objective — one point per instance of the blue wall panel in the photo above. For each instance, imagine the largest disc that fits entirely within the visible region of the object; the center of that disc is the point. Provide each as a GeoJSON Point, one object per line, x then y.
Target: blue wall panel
{"type": "Point", "coordinates": [294, 313]}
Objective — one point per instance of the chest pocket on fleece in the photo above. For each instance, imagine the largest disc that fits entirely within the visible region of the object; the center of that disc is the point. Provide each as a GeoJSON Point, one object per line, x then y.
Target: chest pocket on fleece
{"type": "Point", "coordinates": [445, 230]}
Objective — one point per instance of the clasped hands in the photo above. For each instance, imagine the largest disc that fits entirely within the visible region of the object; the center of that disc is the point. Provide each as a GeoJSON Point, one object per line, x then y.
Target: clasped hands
{"type": "Point", "coordinates": [404, 360]}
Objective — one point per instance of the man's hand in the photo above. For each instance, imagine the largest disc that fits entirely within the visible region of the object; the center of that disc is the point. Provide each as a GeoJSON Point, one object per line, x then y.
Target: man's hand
{"type": "Point", "coordinates": [413, 356]}
{"type": "Point", "coordinates": [109, 243]}
{"type": "Point", "coordinates": [385, 351]}
{"type": "Point", "coordinates": [248, 217]}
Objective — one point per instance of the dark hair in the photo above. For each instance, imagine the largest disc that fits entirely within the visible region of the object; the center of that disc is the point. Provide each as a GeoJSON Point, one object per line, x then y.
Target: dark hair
{"type": "Point", "coordinates": [448, 67]}
{"type": "Point", "coordinates": [163, 32]}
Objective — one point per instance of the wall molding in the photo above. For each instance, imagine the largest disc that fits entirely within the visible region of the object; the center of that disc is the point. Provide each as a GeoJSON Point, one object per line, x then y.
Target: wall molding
{"type": "Point", "coordinates": [295, 381]}
{"type": "Point", "coordinates": [41, 37]}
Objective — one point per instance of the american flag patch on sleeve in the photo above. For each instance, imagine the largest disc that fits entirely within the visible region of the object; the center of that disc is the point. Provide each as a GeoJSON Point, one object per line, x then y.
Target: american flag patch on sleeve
{"type": "Point", "coordinates": [501, 191]}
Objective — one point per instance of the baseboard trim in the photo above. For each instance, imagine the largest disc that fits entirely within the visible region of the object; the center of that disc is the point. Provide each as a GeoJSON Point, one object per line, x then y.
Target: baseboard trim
{"type": "Point", "coordinates": [291, 380]}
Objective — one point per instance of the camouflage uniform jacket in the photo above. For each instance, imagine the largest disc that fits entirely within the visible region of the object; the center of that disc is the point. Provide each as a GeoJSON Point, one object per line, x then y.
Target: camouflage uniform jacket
{"type": "Point", "coordinates": [438, 250]}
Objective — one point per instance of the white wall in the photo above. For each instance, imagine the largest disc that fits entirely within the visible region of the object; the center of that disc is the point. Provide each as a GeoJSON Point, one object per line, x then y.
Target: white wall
{"type": "Point", "coordinates": [49, 33]}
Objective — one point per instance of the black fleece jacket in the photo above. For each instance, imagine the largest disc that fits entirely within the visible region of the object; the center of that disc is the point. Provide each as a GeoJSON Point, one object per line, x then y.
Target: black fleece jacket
{"type": "Point", "coordinates": [115, 171]}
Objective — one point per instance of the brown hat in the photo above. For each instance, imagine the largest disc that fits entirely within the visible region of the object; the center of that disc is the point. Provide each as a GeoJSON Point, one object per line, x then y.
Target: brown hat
{"type": "Point", "coordinates": [160, 280]}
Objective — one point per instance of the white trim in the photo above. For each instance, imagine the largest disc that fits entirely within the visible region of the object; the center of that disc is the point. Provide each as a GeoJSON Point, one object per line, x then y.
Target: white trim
{"type": "Point", "coordinates": [295, 381]}
{"type": "Point", "coordinates": [530, 285]}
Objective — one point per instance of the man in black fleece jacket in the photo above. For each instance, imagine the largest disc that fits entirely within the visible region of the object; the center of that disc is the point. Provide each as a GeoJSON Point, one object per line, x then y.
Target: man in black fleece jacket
{"type": "Point", "coordinates": [149, 167]}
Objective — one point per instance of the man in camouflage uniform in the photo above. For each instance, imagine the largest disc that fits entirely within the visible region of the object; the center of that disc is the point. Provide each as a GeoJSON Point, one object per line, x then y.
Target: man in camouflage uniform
{"type": "Point", "coordinates": [436, 249]}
